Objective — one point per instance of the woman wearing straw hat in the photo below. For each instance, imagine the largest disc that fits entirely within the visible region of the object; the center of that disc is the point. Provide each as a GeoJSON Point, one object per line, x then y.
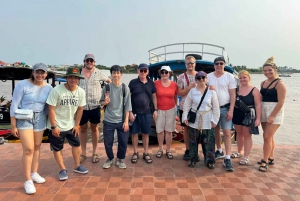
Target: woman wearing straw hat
{"type": "Point", "coordinates": [166, 93]}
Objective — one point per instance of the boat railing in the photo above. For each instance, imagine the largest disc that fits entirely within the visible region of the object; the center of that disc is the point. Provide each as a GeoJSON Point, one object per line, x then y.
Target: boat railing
{"type": "Point", "coordinates": [179, 51]}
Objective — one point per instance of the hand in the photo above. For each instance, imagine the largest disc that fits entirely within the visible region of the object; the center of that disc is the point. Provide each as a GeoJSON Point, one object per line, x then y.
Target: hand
{"type": "Point", "coordinates": [56, 132]}
{"type": "Point", "coordinates": [270, 119]}
{"type": "Point", "coordinates": [212, 88]}
{"type": "Point", "coordinates": [107, 99]}
{"type": "Point", "coordinates": [192, 85]}
{"type": "Point", "coordinates": [186, 122]}
{"type": "Point", "coordinates": [15, 132]}
{"type": "Point", "coordinates": [257, 122]}
{"type": "Point", "coordinates": [75, 130]}
{"type": "Point", "coordinates": [155, 114]}
{"type": "Point", "coordinates": [131, 116]}
{"type": "Point", "coordinates": [229, 115]}
{"type": "Point", "coordinates": [213, 125]}
{"type": "Point", "coordinates": [125, 126]}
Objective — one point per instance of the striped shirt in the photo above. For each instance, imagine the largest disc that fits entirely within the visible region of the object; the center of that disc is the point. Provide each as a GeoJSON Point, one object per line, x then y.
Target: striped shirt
{"type": "Point", "coordinates": [92, 88]}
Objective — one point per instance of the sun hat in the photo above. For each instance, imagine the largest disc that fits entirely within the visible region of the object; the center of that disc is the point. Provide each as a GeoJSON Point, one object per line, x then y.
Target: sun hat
{"type": "Point", "coordinates": [143, 65]}
{"type": "Point", "coordinates": [40, 66]}
{"type": "Point", "coordinates": [167, 68]}
{"type": "Point", "coordinates": [219, 59]}
{"type": "Point", "coordinates": [89, 56]}
{"type": "Point", "coordinates": [73, 71]}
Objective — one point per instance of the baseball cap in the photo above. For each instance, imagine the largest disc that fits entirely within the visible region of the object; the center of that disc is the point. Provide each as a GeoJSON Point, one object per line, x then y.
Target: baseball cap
{"type": "Point", "coordinates": [200, 74]}
{"type": "Point", "coordinates": [167, 68]}
{"type": "Point", "coordinates": [142, 65]}
{"type": "Point", "coordinates": [74, 71]}
{"type": "Point", "coordinates": [40, 66]}
{"type": "Point", "coordinates": [219, 59]}
{"type": "Point", "coordinates": [89, 56]}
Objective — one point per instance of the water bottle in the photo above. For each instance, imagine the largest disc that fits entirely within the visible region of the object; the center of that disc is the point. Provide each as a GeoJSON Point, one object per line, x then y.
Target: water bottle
{"type": "Point", "coordinates": [131, 122]}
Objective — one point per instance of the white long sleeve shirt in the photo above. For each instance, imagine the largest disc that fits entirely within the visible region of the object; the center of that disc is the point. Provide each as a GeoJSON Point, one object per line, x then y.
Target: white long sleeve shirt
{"type": "Point", "coordinates": [209, 108]}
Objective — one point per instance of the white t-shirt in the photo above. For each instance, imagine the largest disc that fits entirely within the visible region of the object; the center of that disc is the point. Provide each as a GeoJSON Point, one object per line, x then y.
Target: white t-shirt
{"type": "Point", "coordinates": [222, 85]}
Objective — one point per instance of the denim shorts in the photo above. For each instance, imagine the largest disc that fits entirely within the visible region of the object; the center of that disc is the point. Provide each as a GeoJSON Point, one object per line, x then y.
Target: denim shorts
{"type": "Point", "coordinates": [37, 123]}
{"type": "Point", "coordinates": [225, 125]}
{"type": "Point", "coordinates": [142, 123]}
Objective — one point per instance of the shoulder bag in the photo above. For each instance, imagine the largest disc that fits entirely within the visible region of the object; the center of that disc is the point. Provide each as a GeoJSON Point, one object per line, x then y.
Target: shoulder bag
{"type": "Point", "coordinates": [191, 117]}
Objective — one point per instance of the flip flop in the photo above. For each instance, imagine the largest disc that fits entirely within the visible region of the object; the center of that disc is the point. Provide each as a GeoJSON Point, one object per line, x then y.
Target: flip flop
{"type": "Point", "coordinates": [82, 158]}
{"type": "Point", "coordinates": [95, 158]}
{"type": "Point", "coordinates": [236, 155]}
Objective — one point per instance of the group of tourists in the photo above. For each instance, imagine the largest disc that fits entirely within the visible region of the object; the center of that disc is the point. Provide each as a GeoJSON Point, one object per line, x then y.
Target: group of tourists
{"type": "Point", "coordinates": [205, 109]}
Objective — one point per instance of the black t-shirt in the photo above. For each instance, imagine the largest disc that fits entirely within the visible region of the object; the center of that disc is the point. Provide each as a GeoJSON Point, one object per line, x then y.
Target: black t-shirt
{"type": "Point", "coordinates": [140, 99]}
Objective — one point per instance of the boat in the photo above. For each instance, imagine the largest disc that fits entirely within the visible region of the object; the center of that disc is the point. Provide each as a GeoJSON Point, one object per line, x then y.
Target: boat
{"type": "Point", "coordinates": [285, 75]}
{"type": "Point", "coordinates": [173, 55]}
{"type": "Point", "coordinates": [14, 73]}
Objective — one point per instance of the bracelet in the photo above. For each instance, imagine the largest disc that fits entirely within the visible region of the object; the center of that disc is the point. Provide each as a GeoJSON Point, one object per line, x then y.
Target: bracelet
{"type": "Point", "coordinates": [155, 109]}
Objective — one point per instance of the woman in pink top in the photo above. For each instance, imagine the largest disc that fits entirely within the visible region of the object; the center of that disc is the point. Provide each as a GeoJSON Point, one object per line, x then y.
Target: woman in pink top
{"type": "Point", "coordinates": [166, 93]}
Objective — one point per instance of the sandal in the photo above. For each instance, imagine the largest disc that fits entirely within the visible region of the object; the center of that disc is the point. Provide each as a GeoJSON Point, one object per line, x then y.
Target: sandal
{"type": "Point", "coordinates": [271, 161]}
{"type": "Point", "coordinates": [263, 168]}
{"type": "Point", "coordinates": [192, 164]}
{"type": "Point", "coordinates": [95, 158]}
{"type": "Point", "coordinates": [236, 155]}
{"type": "Point", "coordinates": [147, 158]}
{"type": "Point", "coordinates": [135, 157]}
{"type": "Point", "coordinates": [169, 154]}
{"type": "Point", "coordinates": [159, 153]}
{"type": "Point", "coordinates": [82, 158]}
{"type": "Point", "coordinates": [244, 161]}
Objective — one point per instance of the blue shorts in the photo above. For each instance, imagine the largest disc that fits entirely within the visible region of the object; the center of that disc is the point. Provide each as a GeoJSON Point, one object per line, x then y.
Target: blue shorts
{"type": "Point", "coordinates": [142, 123]}
{"type": "Point", "coordinates": [37, 123]}
{"type": "Point", "coordinates": [93, 116]}
{"type": "Point", "coordinates": [225, 125]}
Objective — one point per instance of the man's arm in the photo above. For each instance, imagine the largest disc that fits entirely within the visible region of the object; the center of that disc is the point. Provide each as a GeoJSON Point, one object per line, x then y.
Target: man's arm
{"type": "Point", "coordinates": [232, 94]}
{"type": "Point", "coordinates": [51, 116]}
{"type": "Point", "coordinates": [154, 100]}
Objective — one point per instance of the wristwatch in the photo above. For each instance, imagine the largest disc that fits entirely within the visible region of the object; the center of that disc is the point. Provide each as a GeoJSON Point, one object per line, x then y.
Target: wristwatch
{"type": "Point", "coordinates": [52, 127]}
{"type": "Point", "coordinates": [155, 109]}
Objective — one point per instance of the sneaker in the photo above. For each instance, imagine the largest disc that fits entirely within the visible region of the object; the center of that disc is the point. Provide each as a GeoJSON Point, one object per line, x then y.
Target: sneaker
{"type": "Point", "coordinates": [37, 178]}
{"type": "Point", "coordinates": [219, 155]}
{"type": "Point", "coordinates": [120, 164]}
{"type": "Point", "coordinates": [80, 169]}
{"type": "Point", "coordinates": [107, 164]}
{"type": "Point", "coordinates": [63, 175]}
{"type": "Point", "coordinates": [186, 155]}
{"type": "Point", "coordinates": [29, 187]}
{"type": "Point", "coordinates": [227, 165]}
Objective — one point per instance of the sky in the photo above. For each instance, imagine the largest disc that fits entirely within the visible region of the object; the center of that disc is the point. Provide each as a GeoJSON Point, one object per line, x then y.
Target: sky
{"type": "Point", "coordinates": [121, 32]}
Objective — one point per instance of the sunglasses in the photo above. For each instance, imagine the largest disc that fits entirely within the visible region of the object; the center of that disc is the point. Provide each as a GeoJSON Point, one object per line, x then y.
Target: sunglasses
{"type": "Point", "coordinates": [89, 60]}
{"type": "Point", "coordinates": [201, 77]}
{"type": "Point", "coordinates": [219, 63]}
{"type": "Point", "coordinates": [143, 70]}
{"type": "Point", "coordinates": [190, 63]}
{"type": "Point", "coordinates": [164, 72]}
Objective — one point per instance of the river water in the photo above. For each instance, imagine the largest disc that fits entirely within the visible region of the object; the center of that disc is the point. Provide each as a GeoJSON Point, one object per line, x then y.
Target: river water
{"type": "Point", "coordinates": [288, 133]}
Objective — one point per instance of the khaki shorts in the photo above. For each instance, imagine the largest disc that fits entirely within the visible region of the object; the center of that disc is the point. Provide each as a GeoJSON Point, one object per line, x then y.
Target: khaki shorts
{"type": "Point", "coordinates": [266, 110]}
{"type": "Point", "coordinates": [165, 120]}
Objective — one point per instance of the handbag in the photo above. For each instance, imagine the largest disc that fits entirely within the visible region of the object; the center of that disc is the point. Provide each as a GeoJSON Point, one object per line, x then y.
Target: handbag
{"type": "Point", "coordinates": [191, 117]}
{"type": "Point", "coordinates": [240, 104]}
{"type": "Point", "coordinates": [24, 114]}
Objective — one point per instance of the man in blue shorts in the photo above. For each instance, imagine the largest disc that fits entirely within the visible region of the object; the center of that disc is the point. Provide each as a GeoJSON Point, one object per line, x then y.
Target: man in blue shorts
{"type": "Point", "coordinates": [66, 102]}
{"type": "Point", "coordinates": [142, 90]}
{"type": "Point", "coordinates": [225, 86]}
{"type": "Point", "coordinates": [91, 84]}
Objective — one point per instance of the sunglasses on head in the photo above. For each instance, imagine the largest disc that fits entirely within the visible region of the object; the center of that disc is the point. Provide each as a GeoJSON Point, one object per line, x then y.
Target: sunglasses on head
{"type": "Point", "coordinates": [164, 72]}
{"type": "Point", "coordinates": [89, 60]}
{"type": "Point", "coordinates": [143, 70]}
{"type": "Point", "coordinates": [201, 77]}
{"type": "Point", "coordinates": [190, 63]}
{"type": "Point", "coordinates": [219, 63]}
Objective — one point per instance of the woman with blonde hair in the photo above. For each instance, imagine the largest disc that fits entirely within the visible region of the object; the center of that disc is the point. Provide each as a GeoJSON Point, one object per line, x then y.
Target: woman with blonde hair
{"type": "Point", "coordinates": [273, 93]}
{"type": "Point", "coordinates": [250, 95]}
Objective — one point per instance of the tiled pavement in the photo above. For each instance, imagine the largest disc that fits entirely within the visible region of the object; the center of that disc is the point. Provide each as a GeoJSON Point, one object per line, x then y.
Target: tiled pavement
{"type": "Point", "coordinates": [163, 180]}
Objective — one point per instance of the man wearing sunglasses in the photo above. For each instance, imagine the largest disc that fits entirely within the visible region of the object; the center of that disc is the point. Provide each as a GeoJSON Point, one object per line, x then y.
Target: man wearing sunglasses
{"type": "Point", "coordinates": [185, 82]}
{"type": "Point", "coordinates": [91, 113]}
{"type": "Point", "coordinates": [142, 90]}
{"type": "Point", "coordinates": [225, 86]}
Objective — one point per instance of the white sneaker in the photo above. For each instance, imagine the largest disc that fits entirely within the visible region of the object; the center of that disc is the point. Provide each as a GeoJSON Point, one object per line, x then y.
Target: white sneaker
{"type": "Point", "coordinates": [120, 164]}
{"type": "Point", "coordinates": [37, 178]}
{"type": "Point", "coordinates": [29, 187]}
{"type": "Point", "coordinates": [107, 164]}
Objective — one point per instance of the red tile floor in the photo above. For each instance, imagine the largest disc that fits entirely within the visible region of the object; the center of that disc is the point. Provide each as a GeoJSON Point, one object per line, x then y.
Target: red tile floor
{"type": "Point", "coordinates": [163, 180]}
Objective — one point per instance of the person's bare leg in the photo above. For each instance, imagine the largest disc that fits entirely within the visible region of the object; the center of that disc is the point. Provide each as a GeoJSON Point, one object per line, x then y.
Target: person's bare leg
{"type": "Point", "coordinates": [186, 137]}
{"type": "Point", "coordinates": [134, 139]}
{"type": "Point", "coordinates": [269, 132]}
{"type": "Point", "coordinates": [76, 151]}
{"type": "Point", "coordinates": [27, 141]}
{"type": "Point", "coordinates": [160, 139]}
{"type": "Point", "coordinates": [83, 138]}
{"type": "Point", "coordinates": [168, 140]}
{"type": "Point", "coordinates": [95, 136]}
{"type": "Point", "coordinates": [239, 138]}
{"type": "Point", "coordinates": [145, 138]}
{"type": "Point", "coordinates": [227, 140]}
{"type": "Point", "coordinates": [59, 159]}
{"type": "Point", "coordinates": [218, 137]}
{"type": "Point", "coordinates": [247, 141]}
{"type": "Point", "coordinates": [38, 136]}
